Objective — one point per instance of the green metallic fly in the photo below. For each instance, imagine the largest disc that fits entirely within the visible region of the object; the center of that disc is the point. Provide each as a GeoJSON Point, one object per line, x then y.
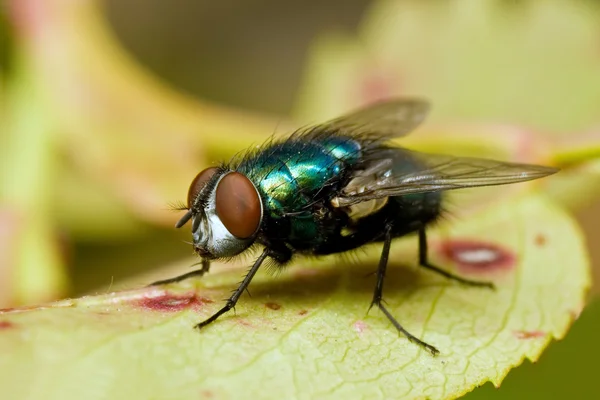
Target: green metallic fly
{"type": "Point", "coordinates": [332, 188]}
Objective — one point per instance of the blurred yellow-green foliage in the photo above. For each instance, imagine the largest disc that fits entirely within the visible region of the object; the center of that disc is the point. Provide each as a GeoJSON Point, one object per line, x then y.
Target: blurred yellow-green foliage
{"type": "Point", "coordinates": [109, 108]}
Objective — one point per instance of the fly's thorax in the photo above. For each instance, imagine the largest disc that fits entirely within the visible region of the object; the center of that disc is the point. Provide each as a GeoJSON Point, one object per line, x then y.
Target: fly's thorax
{"type": "Point", "coordinates": [288, 174]}
{"type": "Point", "coordinates": [226, 211]}
{"type": "Point", "coordinates": [292, 176]}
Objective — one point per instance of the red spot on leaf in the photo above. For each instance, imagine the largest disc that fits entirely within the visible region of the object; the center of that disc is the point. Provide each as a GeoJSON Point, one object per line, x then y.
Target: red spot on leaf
{"type": "Point", "coordinates": [172, 303]}
{"type": "Point", "coordinates": [243, 322]}
{"type": "Point", "coordinates": [472, 257]}
{"type": "Point", "coordinates": [540, 240]}
{"type": "Point", "coordinates": [6, 325]}
{"type": "Point", "coordinates": [574, 314]}
{"type": "Point", "coordinates": [529, 334]}
{"type": "Point", "coordinates": [376, 84]}
{"type": "Point", "coordinates": [273, 306]}
{"type": "Point", "coordinates": [359, 326]}
{"type": "Point", "coordinates": [19, 309]}
{"type": "Point", "coordinates": [302, 312]}
{"type": "Point", "coordinates": [306, 273]}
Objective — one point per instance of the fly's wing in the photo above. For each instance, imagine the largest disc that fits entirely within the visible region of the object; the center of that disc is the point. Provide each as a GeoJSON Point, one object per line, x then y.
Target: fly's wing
{"type": "Point", "coordinates": [382, 120]}
{"type": "Point", "coordinates": [397, 172]}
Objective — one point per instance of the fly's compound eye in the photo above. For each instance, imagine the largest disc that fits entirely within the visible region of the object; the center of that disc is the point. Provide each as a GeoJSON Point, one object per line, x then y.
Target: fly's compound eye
{"type": "Point", "coordinates": [198, 183]}
{"type": "Point", "coordinates": [238, 205]}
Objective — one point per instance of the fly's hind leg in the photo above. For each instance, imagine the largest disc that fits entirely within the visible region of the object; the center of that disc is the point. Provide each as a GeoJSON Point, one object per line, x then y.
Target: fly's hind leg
{"type": "Point", "coordinates": [199, 272]}
{"type": "Point", "coordinates": [378, 295]}
{"type": "Point", "coordinates": [424, 262]}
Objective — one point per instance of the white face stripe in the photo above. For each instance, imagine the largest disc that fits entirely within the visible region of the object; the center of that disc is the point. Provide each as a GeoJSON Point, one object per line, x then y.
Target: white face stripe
{"type": "Point", "coordinates": [212, 235]}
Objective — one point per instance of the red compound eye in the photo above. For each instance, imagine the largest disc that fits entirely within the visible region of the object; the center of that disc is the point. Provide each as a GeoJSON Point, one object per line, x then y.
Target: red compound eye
{"type": "Point", "coordinates": [238, 205]}
{"type": "Point", "coordinates": [198, 183]}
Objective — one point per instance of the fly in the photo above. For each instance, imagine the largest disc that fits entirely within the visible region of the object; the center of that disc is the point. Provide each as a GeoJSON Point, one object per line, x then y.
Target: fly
{"type": "Point", "coordinates": [333, 188]}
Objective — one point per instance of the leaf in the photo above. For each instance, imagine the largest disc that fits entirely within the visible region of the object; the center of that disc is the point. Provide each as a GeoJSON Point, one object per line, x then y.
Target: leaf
{"type": "Point", "coordinates": [551, 377]}
{"type": "Point", "coordinates": [474, 60]}
{"type": "Point", "coordinates": [149, 140]}
{"type": "Point", "coordinates": [478, 61]}
{"type": "Point", "coordinates": [579, 184]}
{"type": "Point", "coordinates": [27, 170]}
{"type": "Point", "coordinates": [305, 332]}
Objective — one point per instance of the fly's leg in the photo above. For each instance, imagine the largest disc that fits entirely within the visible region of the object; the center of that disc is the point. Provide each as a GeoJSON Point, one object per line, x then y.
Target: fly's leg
{"type": "Point", "coordinates": [378, 295]}
{"type": "Point", "coordinates": [198, 272]}
{"type": "Point", "coordinates": [231, 302]}
{"type": "Point", "coordinates": [426, 264]}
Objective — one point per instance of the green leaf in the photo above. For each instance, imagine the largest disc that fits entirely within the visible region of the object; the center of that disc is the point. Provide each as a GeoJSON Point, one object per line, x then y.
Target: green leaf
{"type": "Point", "coordinates": [150, 140]}
{"type": "Point", "coordinates": [483, 62]}
{"type": "Point", "coordinates": [305, 334]}
{"type": "Point", "coordinates": [27, 169]}
{"type": "Point", "coordinates": [533, 63]}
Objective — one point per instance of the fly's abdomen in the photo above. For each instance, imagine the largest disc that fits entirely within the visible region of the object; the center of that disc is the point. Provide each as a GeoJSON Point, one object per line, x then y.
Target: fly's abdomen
{"type": "Point", "coordinates": [422, 207]}
{"type": "Point", "coordinates": [415, 206]}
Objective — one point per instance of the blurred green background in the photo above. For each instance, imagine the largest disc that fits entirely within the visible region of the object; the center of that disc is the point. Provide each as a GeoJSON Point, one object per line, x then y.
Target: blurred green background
{"type": "Point", "coordinates": [109, 108]}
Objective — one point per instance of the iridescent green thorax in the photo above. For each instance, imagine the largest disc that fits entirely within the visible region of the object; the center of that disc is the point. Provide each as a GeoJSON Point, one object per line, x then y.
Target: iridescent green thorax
{"type": "Point", "coordinates": [288, 175]}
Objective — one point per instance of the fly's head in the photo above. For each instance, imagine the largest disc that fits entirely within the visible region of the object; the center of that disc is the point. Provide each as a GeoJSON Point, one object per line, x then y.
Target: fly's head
{"type": "Point", "coordinates": [226, 212]}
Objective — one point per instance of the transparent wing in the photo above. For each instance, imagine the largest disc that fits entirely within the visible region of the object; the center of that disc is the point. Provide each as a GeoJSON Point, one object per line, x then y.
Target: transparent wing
{"type": "Point", "coordinates": [391, 118]}
{"type": "Point", "coordinates": [397, 172]}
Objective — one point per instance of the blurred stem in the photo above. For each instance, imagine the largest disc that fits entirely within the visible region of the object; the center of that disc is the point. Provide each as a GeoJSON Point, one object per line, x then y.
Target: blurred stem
{"type": "Point", "coordinates": [27, 170]}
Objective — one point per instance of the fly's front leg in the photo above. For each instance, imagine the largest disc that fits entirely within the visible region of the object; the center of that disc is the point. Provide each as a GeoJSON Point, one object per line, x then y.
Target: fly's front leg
{"type": "Point", "coordinates": [199, 272]}
{"type": "Point", "coordinates": [423, 261]}
{"type": "Point", "coordinates": [378, 294]}
{"type": "Point", "coordinates": [231, 302]}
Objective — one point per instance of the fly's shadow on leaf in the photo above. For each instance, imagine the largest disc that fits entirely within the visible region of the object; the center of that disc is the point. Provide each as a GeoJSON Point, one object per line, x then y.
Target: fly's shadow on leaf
{"type": "Point", "coordinates": [358, 277]}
